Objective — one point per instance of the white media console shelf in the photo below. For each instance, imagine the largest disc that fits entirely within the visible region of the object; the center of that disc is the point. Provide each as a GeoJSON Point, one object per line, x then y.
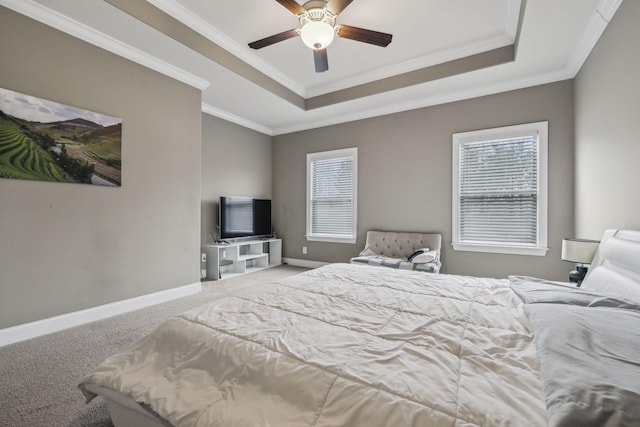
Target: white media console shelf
{"type": "Point", "coordinates": [229, 259]}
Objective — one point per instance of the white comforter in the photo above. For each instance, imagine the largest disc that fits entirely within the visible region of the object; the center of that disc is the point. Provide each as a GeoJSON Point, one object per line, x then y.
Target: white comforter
{"type": "Point", "coordinates": [343, 345]}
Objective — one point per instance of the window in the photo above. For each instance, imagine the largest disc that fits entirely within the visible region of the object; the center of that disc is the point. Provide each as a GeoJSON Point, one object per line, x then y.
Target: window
{"type": "Point", "coordinates": [331, 195]}
{"type": "Point", "coordinates": [500, 190]}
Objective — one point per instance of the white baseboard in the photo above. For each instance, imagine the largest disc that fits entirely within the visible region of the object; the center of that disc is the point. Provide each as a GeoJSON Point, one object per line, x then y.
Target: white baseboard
{"type": "Point", "coordinates": [38, 328]}
{"type": "Point", "coordinates": [304, 263]}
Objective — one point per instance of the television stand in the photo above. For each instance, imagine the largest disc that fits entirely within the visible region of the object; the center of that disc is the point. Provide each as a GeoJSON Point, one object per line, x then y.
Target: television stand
{"type": "Point", "coordinates": [225, 260]}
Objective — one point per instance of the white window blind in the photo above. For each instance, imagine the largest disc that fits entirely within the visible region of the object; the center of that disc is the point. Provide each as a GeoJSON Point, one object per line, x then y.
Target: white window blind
{"type": "Point", "coordinates": [499, 193]}
{"type": "Point", "coordinates": [331, 208]}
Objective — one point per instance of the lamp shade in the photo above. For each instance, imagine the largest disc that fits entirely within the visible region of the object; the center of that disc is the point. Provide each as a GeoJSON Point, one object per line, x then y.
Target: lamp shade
{"type": "Point", "coordinates": [579, 250]}
{"type": "Point", "coordinates": [317, 34]}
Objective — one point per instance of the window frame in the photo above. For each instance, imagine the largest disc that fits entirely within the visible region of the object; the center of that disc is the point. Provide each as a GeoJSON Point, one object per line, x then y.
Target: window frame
{"type": "Point", "coordinates": [330, 155]}
{"type": "Point", "coordinates": [486, 135]}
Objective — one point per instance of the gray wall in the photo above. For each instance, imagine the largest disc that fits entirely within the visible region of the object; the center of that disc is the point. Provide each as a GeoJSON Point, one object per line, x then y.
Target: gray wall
{"type": "Point", "coordinates": [404, 176]}
{"type": "Point", "coordinates": [236, 161]}
{"type": "Point", "coordinates": [67, 247]}
{"type": "Point", "coordinates": [607, 144]}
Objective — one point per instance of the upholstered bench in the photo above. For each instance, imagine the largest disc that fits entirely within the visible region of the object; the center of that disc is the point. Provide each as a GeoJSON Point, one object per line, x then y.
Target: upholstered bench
{"type": "Point", "coordinates": [395, 250]}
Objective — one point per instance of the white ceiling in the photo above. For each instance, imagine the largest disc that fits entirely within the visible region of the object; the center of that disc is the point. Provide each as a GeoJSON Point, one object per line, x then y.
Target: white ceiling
{"type": "Point", "coordinates": [554, 39]}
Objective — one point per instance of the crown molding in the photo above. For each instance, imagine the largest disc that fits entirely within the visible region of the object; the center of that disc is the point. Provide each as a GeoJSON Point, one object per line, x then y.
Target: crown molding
{"type": "Point", "coordinates": [430, 101]}
{"type": "Point", "coordinates": [592, 33]}
{"type": "Point", "coordinates": [85, 33]}
{"type": "Point", "coordinates": [190, 19]}
{"type": "Point", "coordinates": [412, 65]}
{"type": "Point", "coordinates": [590, 37]}
{"type": "Point", "coordinates": [176, 10]}
{"type": "Point", "coordinates": [513, 19]}
{"type": "Point", "coordinates": [213, 111]}
{"type": "Point", "coordinates": [608, 8]}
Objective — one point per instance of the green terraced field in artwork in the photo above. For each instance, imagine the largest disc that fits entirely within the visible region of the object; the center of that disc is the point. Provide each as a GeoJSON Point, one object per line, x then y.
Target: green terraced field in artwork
{"type": "Point", "coordinates": [22, 158]}
{"type": "Point", "coordinates": [106, 150]}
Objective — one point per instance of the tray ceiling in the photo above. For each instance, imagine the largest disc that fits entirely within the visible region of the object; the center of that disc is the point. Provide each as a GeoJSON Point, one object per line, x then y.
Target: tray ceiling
{"type": "Point", "coordinates": [441, 51]}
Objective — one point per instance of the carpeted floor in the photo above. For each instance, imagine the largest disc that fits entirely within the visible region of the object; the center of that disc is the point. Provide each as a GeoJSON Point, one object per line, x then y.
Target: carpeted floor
{"type": "Point", "coordinates": [39, 377]}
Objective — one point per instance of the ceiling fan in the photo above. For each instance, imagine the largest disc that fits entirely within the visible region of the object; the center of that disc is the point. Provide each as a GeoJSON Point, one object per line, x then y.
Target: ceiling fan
{"type": "Point", "coordinates": [318, 28]}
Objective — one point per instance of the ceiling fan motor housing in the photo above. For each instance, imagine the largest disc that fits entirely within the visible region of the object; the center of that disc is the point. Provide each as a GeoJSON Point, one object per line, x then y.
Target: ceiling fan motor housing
{"type": "Point", "coordinates": [316, 11]}
{"type": "Point", "coordinates": [315, 4]}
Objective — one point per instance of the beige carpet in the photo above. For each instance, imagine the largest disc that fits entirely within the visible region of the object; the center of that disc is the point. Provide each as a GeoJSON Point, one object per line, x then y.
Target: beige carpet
{"type": "Point", "coordinates": [39, 377]}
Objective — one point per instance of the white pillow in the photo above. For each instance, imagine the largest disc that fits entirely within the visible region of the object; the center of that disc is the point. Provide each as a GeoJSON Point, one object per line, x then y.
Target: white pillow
{"type": "Point", "coordinates": [613, 281]}
{"type": "Point", "coordinates": [616, 266]}
{"type": "Point", "coordinates": [368, 252]}
{"type": "Point", "coordinates": [424, 257]}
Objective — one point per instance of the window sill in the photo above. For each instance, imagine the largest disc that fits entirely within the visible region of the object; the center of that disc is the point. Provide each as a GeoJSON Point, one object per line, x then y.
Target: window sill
{"type": "Point", "coordinates": [330, 238]}
{"type": "Point", "coordinates": [500, 249]}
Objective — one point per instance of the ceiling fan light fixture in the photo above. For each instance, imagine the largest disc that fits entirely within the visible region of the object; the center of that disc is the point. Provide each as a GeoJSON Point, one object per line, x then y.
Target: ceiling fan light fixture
{"type": "Point", "coordinates": [318, 28]}
{"type": "Point", "coordinates": [317, 34]}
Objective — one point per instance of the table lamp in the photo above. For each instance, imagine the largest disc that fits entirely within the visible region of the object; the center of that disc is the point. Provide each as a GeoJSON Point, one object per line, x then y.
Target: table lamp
{"type": "Point", "coordinates": [580, 251]}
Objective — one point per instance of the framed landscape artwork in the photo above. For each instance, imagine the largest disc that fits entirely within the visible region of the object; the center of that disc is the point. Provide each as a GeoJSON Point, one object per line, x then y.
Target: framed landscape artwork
{"type": "Point", "coordinates": [46, 141]}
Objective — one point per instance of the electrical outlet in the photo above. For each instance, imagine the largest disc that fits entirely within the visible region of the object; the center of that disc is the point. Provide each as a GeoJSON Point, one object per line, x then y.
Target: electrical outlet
{"type": "Point", "coordinates": [204, 257]}
{"type": "Point", "coordinates": [304, 250]}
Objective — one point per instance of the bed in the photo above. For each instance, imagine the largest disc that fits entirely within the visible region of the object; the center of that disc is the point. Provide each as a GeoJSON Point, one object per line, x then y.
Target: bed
{"type": "Point", "coordinates": [354, 345]}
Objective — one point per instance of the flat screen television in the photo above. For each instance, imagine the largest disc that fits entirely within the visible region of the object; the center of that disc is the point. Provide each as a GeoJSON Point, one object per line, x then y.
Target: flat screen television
{"type": "Point", "coordinates": [244, 217]}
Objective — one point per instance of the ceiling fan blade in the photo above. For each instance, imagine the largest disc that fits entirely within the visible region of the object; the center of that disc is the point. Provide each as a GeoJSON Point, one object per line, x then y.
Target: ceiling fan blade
{"type": "Point", "coordinates": [337, 6]}
{"type": "Point", "coordinates": [293, 6]}
{"type": "Point", "coordinates": [321, 60]}
{"type": "Point", "coordinates": [365, 36]}
{"type": "Point", "coordinates": [268, 41]}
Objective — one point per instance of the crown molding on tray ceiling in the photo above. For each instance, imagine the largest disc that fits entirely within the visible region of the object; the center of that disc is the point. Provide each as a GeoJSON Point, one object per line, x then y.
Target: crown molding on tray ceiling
{"type": "Point", "coordinates": [592, 32]}
{"type": "Point", "coordinates": [190, 19]}
{"type": "Point", "coordinates": [423, 102]}
{"type": "Point", "coordinates": [422, 75]}
{"type": "Point", "coordinates": [83, 32]}
{"type": "Point", "coordinates": [161, 21]}
{"type": "Point", "coordinates": [607, 8]}
{"type": "Point", "coordinates": [423, 63]}
{"type": "Point", "coordinates": [217, 112]}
